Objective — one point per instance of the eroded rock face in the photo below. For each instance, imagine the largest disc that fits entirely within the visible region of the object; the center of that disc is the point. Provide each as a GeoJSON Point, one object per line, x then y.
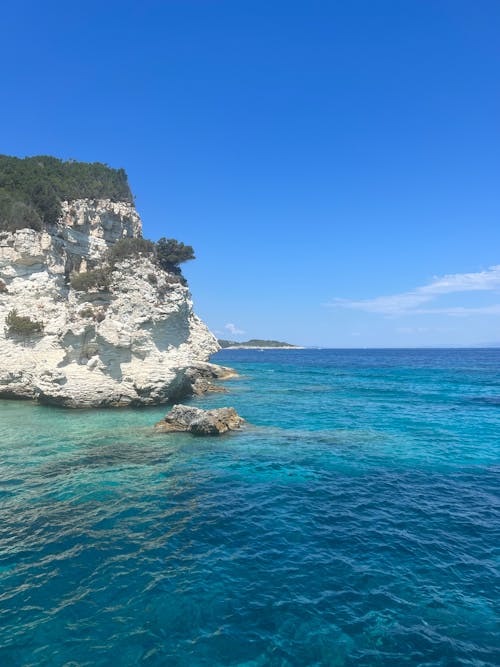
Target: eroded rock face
{"type": "Point", "coordinates": [138, 342]}
{"type": "Point", "coordinates": [184, 418]}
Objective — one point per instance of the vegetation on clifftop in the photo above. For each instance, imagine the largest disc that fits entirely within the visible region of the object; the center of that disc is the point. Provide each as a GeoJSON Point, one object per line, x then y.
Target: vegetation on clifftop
{"type": "Point", "coordinates": [31, 192]}
{"type": "Point", "coordinates": [32, 188]}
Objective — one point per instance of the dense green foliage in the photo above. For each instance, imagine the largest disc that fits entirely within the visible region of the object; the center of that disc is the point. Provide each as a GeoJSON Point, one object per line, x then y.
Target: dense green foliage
{"type": "Point", "coordinates": [15, 214]}
{"type": "Point", "coordinates": [94, 279]}
{"type": "Point", "coordinates": [32, 188]}
{"type": "Point", "coordinates": [170, 253]}
{"type": "Point", "coordinates": [19, 325]}
{"type": "Point", "coordinates": [130, 247]}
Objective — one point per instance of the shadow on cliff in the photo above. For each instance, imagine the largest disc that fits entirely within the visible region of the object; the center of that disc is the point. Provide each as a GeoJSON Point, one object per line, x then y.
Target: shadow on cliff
{"type": "Point", "coordinates": [173, 331]}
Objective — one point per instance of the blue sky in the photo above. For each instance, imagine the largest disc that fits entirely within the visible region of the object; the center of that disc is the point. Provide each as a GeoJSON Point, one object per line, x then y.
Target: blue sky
{"type": "Point", "coordinates": [335, 164]}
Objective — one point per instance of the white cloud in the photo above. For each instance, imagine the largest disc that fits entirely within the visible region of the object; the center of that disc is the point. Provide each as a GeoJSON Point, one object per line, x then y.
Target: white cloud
{"type": "Point", "coordinates": [465, 282]}
{"type": "Point", "coordinates": [411, 302]}
{"type": "Point", "coordinates": [232, 328]}
{"type": "Point", "coordinates": [461, 311]}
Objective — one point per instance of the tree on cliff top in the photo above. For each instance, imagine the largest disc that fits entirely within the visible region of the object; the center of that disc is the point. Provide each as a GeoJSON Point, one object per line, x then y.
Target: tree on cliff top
{"type": "Point", "coordinates": [40, 183]}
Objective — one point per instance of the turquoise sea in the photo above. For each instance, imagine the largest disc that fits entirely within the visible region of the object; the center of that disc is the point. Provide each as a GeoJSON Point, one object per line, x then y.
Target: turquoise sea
{"type": "Point", "coordinates": [355, 522]}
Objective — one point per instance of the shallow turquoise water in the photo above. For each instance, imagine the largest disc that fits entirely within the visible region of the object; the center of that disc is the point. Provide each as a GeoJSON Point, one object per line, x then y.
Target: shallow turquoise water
{"type": "Point", "coordinates": [356, 522]}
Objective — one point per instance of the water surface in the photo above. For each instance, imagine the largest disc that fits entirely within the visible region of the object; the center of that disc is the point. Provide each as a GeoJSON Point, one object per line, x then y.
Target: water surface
{"type": "Point", "coordinates": [356, 522]}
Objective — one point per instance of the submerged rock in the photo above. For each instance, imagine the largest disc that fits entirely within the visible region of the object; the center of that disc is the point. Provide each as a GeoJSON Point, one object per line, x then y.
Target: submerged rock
{"type": "Point", "coordinates": [184, 418]}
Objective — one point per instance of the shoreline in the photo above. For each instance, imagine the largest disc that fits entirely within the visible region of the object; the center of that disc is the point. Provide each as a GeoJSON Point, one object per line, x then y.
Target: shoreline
{"type": "Point", "coordinates": [262, 347]}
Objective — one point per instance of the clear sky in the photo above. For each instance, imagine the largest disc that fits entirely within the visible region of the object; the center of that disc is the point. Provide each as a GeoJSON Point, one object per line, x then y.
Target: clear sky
{"type": "Point", "coordinates": [335, 164]}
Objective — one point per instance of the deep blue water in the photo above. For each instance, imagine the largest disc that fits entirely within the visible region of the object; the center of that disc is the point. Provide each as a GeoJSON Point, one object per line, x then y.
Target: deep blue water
{"type": "Point", "coordinates": [356, 522]}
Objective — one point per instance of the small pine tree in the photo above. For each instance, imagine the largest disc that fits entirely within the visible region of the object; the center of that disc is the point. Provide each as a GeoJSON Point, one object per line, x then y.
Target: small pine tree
{"type": "Point", "coordinates": [170, 253]}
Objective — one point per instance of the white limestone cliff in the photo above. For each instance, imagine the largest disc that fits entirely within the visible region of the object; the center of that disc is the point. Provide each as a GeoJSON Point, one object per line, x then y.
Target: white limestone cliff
{"type": "Point", "coordinates": [137, 343]}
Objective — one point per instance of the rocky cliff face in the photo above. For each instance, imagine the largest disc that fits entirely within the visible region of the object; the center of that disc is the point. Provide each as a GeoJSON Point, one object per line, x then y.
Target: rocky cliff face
{"type": "Point", "coordinates": [137, 342]}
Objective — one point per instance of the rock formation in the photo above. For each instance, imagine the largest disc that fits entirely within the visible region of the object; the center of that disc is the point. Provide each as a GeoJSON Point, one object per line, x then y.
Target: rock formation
{"type": "Point", "coordinates": [135, 341]}
{"type": "Point", "coordinates": [183, 418]}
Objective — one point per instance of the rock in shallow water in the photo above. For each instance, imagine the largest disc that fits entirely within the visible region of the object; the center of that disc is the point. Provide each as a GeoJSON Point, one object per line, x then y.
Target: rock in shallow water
{"type": "Point", "coordinates": [201, 376]}
{"type": "Point", "coordinates": [184, 418]}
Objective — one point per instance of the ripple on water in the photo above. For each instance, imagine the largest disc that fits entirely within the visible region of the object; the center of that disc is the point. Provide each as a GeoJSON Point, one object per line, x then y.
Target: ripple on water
{"type": "Point", "coordinates": [364, 531]}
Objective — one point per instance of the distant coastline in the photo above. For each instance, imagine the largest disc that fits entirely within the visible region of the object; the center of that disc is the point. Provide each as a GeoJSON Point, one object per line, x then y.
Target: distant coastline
{"type": "Point", "coordinates": [263, 347]}
{"type": "Point", "coordinates": [257, 344]}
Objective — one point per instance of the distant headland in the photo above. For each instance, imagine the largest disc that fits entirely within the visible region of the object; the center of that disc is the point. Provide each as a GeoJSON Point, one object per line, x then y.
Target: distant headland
{"type": "Point", "coordinates": [256, 343]}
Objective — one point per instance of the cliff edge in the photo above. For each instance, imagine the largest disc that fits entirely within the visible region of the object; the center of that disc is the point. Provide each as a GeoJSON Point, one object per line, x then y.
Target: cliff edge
{"type": "Point", "coordinates": [131, 340]}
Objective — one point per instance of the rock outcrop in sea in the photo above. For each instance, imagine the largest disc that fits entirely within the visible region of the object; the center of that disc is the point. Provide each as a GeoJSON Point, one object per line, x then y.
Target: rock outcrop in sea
{"type": "Point", "coordinates": [186, 418]}
{"type": "Point", "coordinates": [136, 341]}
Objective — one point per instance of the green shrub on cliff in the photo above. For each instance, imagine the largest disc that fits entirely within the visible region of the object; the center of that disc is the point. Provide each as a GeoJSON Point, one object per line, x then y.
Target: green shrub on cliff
{"type": "Point", "coordinates": [94, 279]}
{"type": "Point", "coordinates": [86, 313]}
{"type": "Point", "coordinates": [130, 247]}
{"type": "Point", "coordinates": [20, 325]}
{"type": "Point", "coordinates": [32, 188]}
{"type": "Point", "coordinates": [167, 253]}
